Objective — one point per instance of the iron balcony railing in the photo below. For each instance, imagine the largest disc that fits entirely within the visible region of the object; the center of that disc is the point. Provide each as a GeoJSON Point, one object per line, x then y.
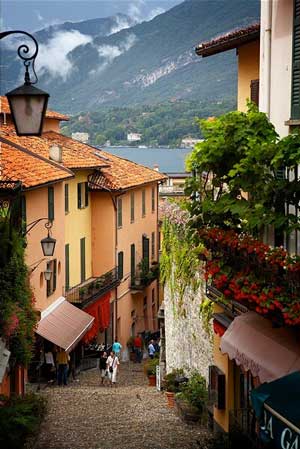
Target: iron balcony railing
{"type": "Point", "coordinates": [89, 291]}
{"type": "Point", "coordinates": [143, 277]}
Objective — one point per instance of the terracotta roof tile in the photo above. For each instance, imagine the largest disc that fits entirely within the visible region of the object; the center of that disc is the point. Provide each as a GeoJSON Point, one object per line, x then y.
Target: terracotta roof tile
{"type": "Point", "coordinates": [124, 174]}
{"type": "Point", "coordinates": [228, 41]}
{"type": "Point", "coordinates": [4, 107]}
{"type": "Point", "coordinates": [21, 165]}
{"type": "Point", "coordinates": [73, 155]}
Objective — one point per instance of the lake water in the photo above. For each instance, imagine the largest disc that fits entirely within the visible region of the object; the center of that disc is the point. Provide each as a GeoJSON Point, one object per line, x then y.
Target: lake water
{"type": "Point", "coordinates": [169, 160]}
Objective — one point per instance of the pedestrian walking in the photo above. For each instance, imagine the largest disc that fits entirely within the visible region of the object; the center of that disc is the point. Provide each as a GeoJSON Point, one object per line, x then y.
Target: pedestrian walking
{"type": "Point", "coordinates": [62, 360]}
{"type": "Point", "coordinates": [112, 367]}
{"type": "Point", "coordinates": [50, 366]}
{"type": "Point", "coordinates": [103, 367]}
{"type": "Point", "coordinates": [137, 347]}
{"type": "Point", "coordinates": [116, 348]}
{"type": "Point", "coordinates": [151, 349]}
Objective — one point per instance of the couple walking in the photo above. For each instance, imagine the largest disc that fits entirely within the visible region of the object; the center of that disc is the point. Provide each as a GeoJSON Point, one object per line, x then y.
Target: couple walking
{"type": "Point", "coordinates": [109, 367]}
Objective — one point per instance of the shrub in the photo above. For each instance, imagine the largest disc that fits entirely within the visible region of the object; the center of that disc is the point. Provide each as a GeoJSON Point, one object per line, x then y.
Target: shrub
{"type": "Point", "coordinates": [195, 391]}
{"type": "Point", "coordinates": [171, 380]}
{"type": "Point", "coordinates": [20, 418]}
{"type": "Point", "coordinates": [150, 366]}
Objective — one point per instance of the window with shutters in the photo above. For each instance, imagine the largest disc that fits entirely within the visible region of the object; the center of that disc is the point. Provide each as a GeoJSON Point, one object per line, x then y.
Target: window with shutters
{"type": "Point", "coordinates": [217, 385]}
{"type": "Point", "coordinates": [51, 284]}
{"type": "Point", "coordinates": [132, 207]}
{"type": "Point", "coordinates": [120, 265]}
{"type": "Point", "coordinates": [51, 203]}
{"type": "Point", "coordinates": [67, 198]}
{"type": "Point", "coordinates": [295, 95]}
{"type": "Point", "coordinates": [132, 261]}
{"type": "Point", "coordinates": [145, 246]}
{"type": "Point", "coordinates": [143, 203]}
{"type": "Point", "coordinates": [82, 260]}
{"type": "Point", "coordinates": [254, 91]}
{"type": "Point", "coordinates": [67, 266]}
{"type": "Point", "coordinates": [82, 195]}
{"type": "Point", "coordinates": [153, 245]}
{"type": "Point", "coordinates": [153, 199]}
{"type": "Point", "coordinates": [119, 213]}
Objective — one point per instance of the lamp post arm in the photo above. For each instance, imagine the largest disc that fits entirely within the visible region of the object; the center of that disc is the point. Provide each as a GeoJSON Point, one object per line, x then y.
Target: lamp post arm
{"type": "Point", "coordinates": [31, 225]}
{"type": "Point", "coordinates": [34, 265]}
{"type": "Point", "coordinates": [23, 51]}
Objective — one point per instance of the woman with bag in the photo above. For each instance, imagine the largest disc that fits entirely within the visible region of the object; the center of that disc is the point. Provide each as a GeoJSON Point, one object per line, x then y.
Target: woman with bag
{"type": "Point", "coordinates": [112, 368]}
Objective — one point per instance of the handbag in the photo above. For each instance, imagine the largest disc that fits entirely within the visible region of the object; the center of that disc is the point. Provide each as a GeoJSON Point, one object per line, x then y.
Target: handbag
{"type": "Point", "coordinates": [111, 369]}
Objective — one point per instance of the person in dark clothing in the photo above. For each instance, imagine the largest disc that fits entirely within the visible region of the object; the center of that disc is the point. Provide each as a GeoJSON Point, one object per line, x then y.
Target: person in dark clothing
{"type": "Point", "coordinates": [103, 367]}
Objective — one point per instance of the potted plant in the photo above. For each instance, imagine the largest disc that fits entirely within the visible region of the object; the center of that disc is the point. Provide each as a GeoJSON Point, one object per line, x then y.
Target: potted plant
{"type": "Point", "coordinates": [191, 401]}
{"type": "Point", "coordinates": [150, 369]}
{"type": "Point", "coordinates": [82, 292]}
{"type": "Point", "coordinates": [172, 385]}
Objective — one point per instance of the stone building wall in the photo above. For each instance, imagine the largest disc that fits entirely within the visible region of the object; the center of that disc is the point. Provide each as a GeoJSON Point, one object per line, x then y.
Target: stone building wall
{"type": "Point", "coordinates": [187, 345]}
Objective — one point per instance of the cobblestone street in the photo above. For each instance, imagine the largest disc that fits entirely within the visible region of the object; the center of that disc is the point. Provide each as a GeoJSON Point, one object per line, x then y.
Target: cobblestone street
{"type": "Point", "coordinates": [85, 415]}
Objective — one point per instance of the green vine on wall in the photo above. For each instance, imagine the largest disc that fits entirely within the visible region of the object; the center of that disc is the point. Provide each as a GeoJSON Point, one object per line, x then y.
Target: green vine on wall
{"type": "Point", "coordinates": [180, 264]}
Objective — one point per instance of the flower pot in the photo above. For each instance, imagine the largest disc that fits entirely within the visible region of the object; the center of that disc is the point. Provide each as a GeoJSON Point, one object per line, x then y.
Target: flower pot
{"type": "Point", "coordinates": [152, 380]}
{"type": "Point", "coordinates": [170, 399]}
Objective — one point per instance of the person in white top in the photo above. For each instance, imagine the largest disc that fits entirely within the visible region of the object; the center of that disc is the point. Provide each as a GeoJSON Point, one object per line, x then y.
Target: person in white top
{"type": "Point", "coordinates": [112, 368]}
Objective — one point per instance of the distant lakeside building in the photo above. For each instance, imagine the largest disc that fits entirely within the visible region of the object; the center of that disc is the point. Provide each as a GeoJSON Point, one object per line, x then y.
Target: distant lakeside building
{"type": "Point", "coordinates": [81, 137]}
{"type": "Point", "coordinates": [189, 142]}
{"type": "Point", "coordinates": [134, 137]}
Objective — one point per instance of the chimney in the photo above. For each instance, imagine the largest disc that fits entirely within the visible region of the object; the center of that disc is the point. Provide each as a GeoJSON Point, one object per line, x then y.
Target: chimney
{"type": "Point", "coordinates": [156, 167]}
{"type": "Point", "coordinates": [55, 153]}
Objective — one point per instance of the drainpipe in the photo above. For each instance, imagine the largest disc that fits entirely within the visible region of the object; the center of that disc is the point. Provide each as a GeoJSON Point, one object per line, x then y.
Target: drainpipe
{"type": "Point", "coordinates": [266, 56]}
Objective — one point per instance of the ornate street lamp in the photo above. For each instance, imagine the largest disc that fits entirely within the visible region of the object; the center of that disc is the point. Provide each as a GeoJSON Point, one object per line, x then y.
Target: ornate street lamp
{"type": "Point", "coordinates": [28, 104]}
{"type": "Point", "coordinates": [47, 274]}
{"type": "Point", "coordinates": [48, 243]}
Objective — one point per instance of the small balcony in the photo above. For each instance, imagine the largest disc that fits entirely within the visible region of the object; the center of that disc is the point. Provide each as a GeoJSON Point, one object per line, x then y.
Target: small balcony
{"type": "Point", "coordinates": [89, 291]}
{"type": "Point", "coordinates": [143, 276]}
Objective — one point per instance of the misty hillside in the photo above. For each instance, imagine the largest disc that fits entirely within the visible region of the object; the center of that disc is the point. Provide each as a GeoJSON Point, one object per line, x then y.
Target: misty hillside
{"type": "Point", "coordinates": [148, 63]}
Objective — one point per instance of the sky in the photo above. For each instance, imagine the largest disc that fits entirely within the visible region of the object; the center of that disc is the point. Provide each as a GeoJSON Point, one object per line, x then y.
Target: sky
{"type": "Point", "coordinates": [32, 15]}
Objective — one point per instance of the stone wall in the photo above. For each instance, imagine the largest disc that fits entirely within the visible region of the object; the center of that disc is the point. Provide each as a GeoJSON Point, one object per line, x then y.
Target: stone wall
{"type": "Point", "coordinates": [187, 344]}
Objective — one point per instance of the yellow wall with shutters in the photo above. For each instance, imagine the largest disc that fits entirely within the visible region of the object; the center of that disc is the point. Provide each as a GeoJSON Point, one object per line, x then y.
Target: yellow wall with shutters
{"type": "Point", "coordinates": [248, 70]}
{"type": "Point", "coordinates": [77, 226]}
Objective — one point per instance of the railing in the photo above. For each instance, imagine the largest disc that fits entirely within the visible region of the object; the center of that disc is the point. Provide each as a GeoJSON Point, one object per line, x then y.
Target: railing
{"type": "Point", "coordinates": [234, 308]}
{"type": "Point", "coordinates": [171, 190]}
{"type": "Point", "coordinates": [242, 423]}
{"type": "Point", "coordinates": [142, 279]}
{"type": "Point", "coordinates": [90, 290]}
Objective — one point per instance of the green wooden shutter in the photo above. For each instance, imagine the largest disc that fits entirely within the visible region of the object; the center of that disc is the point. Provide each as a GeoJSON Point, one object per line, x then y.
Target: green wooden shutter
{"type": "Point", "coordinates": [132, 207]}
{"type": "Point", "coordinates": [49, 267]}
{"type": "Point", "coordinates": [82, 259]}
{"type": "Point", "coordinates": [67, 266]}
{"type": "Point", "coordinates": [146, 250]}
{"type": "Point", "coordinates": [51, 203]}
{"type": "Point", "coordinates": [79, 196]}
{"type": "Point", "coordinates": [153, 244]}
{"type": "Point", "coordinates": [143, 203]}
{"type": "Point", "coordinates": [86, 191]}
{"type": "Point", "coordinates": [254, 91]}
{"type": "Point", "coordinates": [120, 264]}
{"type": "Point", "coordinates": [66, 198]}
{"type": "Point", "coordinates": [54, 263]}
{"type": "Point", "coordinates": [295, 107]}
{"type": "Point", "coordinates": [132, 260]}
{"type": "Point", "coordinates": [153, 199]}
{"type": "Point", "coordinates": [119, 212]}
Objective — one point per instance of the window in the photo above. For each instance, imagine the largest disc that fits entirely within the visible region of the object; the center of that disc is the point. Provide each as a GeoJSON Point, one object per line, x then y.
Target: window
{"type": "Point", "coordinates": [145, 246]}
{"type": "Point", "coordinates": [143, 203]}
{"type": "Point", "coordinates": [295, 94]}
{"type": "Point", "coordinates": [153, 199]}
{"type": "Point", "coordinates": [153, 245]}
{"type": "Point", "coordinates": [120, 265]}
{"type": "Point", "coordinates": [132, 207]}
{"type": "Point", "coordinates": [119, 208]}
{"type": "Point", "coordinates": [217, 384]}
{"type": "Point", "coordinates": [82, 259]}
{"type": "Point", "coordinates": [67, 266]}
{"type": "Point", "coordinates": [153, 296]}
{"type": "Point", "coordinates": [82, 195]}
{"type": "Point", "coordinates": [66, 198]}
{"type": "Point", "coordinates": [51, 285]}
{"type": "Point", "coordinates": [254, 91]}
{"type": "Point", "coordinates": [132, 261]}
{"type": "Point", "coordinates": [51, 203]}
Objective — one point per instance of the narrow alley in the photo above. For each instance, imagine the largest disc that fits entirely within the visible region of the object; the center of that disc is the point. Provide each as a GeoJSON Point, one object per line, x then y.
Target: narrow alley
{"type": "Point", "coordinates": [86, 415]}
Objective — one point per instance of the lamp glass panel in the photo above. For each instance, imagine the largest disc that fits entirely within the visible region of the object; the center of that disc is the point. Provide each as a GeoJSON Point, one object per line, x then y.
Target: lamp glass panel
{"type": "Point", "coordinates": [47, 274]}
{"type": "Point", "coordinates": [28, 113]}
{"type": "Point", "coordinates": [48, 246]}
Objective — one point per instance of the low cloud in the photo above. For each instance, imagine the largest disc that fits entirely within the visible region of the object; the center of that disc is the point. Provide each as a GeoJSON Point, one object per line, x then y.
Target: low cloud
{"type": "Point", "coordinates": [108, 53]}
{"type": "Point", "coordinates": [121, 23]}
{"type": "Point", "coordinates": [53, 57]}
{"type": "Point", "coordinates": [136, 11]}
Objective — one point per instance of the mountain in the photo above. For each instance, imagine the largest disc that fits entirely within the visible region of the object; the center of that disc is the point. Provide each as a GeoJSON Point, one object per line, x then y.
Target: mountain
{"type": "Point", "coordinates": [147, 63]}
